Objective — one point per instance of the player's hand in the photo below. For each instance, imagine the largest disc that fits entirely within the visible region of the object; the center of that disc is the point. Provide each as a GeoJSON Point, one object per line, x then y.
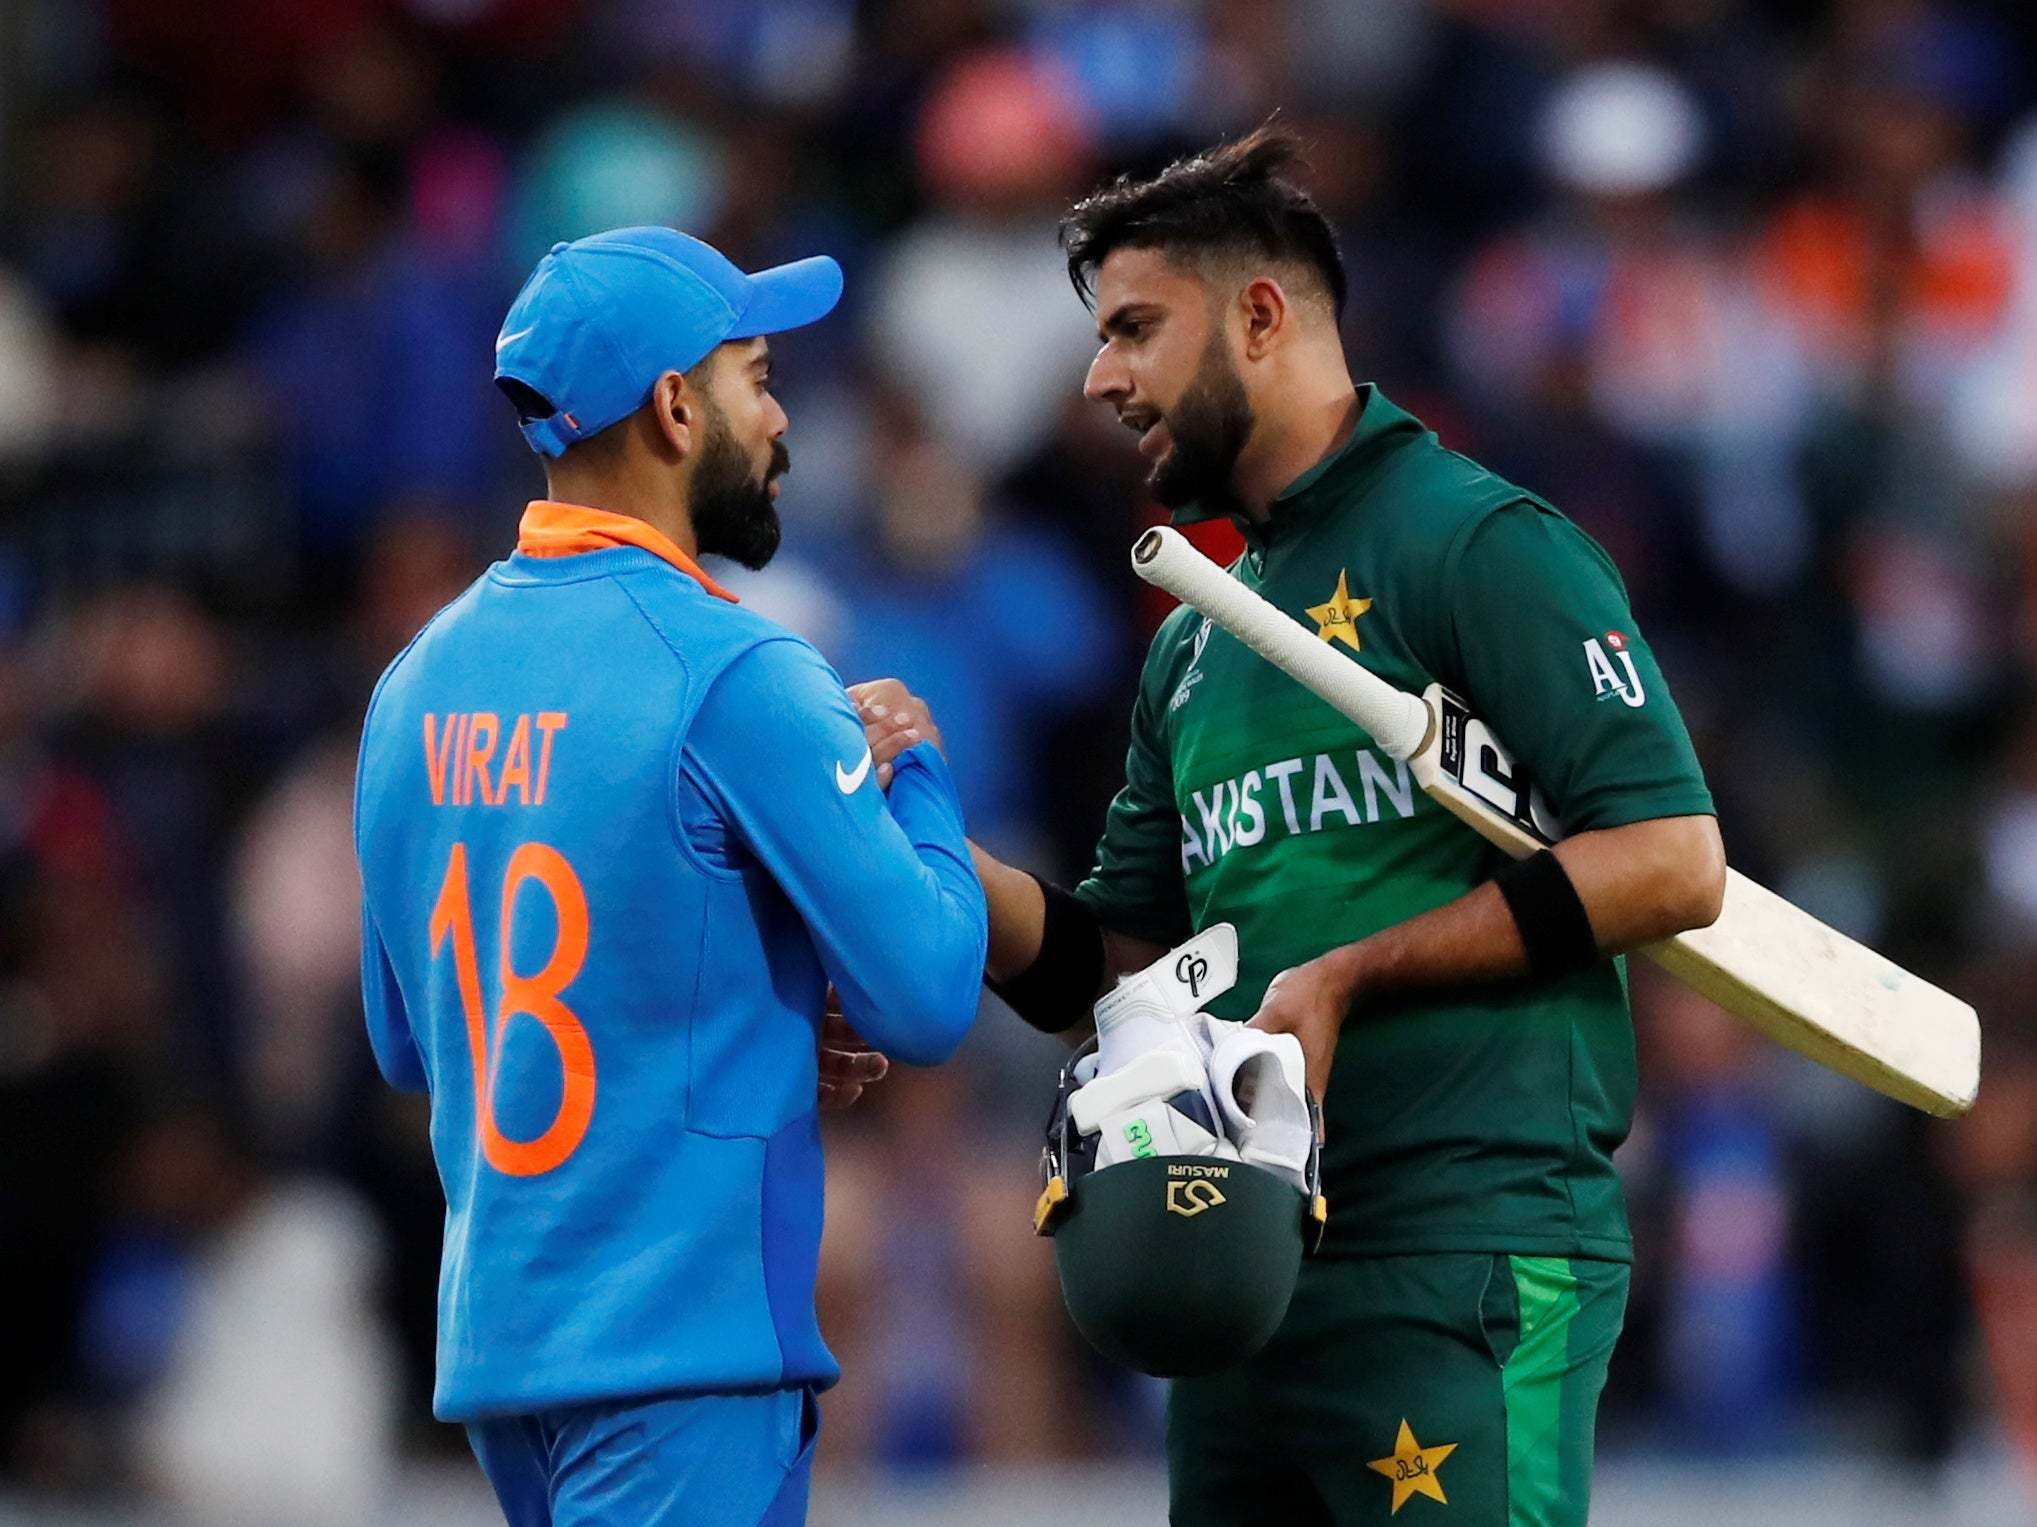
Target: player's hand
{"type": "Point", "coordinates": [894, 719]}
{"type": "Point", "coordinates": [1310, 1002]}
{"type": "Point", "coordinates": [847, 1063]}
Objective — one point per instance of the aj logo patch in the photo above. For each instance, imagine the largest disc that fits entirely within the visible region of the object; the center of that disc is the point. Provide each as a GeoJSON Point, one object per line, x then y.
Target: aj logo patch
{"type": "Point", "coordinates": [1610, 682]}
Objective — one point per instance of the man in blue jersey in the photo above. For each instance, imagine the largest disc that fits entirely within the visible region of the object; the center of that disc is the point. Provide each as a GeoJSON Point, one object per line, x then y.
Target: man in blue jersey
{"type": "Point", "coordinates": [618, 836]}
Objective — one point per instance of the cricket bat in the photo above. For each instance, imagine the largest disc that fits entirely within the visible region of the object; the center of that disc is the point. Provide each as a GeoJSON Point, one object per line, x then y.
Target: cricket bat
{"type": "Point", "coordinates": [1804, 985]}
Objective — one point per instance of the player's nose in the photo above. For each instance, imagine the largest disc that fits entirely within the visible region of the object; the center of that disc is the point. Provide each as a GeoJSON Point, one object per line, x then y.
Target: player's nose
{"type": "Point", "coordinates": [1109, 378]}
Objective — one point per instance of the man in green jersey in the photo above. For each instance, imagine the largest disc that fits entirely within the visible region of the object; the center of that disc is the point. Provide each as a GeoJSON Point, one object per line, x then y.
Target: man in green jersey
{"type": "Point", "coordinates": [1463, 1017]}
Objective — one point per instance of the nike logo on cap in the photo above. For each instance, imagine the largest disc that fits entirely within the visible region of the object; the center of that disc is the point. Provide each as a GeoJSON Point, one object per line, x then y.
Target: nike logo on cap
{"type": "Point", "coordinates": [509, 339]}
{"type": "Point", "coordinates": [847, 782]}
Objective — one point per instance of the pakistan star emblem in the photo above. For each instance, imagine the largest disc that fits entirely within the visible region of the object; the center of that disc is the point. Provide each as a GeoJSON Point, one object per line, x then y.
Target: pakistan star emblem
{"type": "Point", "coordinates": [1413, 1468]}
{"type": "Point", "coordinates": [1336, 621]}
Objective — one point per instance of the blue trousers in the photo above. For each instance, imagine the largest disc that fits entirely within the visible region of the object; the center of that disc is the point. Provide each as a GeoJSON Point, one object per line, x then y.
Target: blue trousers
{"type": "Point", "coordinates": [721, 1460]}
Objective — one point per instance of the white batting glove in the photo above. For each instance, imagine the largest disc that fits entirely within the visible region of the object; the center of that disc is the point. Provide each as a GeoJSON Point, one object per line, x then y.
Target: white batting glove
{"type": "Point", "coordinates": [1261, 1091]}
{"type": "Point", "coordinates": [1149, 1007]}
{"type": "Point", "coordinates": [1157, 1104]}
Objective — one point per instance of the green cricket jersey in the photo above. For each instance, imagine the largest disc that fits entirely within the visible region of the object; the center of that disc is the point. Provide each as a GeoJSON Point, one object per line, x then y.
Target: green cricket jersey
{"type": "Point", "coordinates": [1480, 1118]}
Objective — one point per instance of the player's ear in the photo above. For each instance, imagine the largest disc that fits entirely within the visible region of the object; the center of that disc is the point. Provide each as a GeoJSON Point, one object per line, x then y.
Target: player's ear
{"type": "Point", "coordinates": [675, 410]}
{"type": "Point", "coordinates": [1265, 315]}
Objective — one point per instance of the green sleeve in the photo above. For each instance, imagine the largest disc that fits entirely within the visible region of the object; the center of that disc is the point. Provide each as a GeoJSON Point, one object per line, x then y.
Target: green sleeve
{"type": "Point", "coordinates": [1137, 887]}
{"type": "Point", "coordinates": [1543, 645]}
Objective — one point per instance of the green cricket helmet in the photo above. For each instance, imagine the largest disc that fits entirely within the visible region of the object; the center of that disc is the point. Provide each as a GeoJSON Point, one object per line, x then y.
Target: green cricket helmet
{"type": "Point", "coordinates": [1173, 1265]}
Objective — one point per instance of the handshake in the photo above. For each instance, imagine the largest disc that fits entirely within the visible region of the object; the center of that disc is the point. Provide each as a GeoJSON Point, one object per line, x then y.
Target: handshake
{"type": "Point", "coordinates": [1169, 1080]}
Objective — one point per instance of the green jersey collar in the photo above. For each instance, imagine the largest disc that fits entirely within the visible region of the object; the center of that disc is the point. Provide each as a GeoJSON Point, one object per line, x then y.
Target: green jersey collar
{"type": "Point", "coordinates": [1381, 428]}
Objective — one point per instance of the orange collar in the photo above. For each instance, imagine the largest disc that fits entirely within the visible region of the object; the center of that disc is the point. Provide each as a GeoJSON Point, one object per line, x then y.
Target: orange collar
{"type": "Point", "coordinates": [552, 529]}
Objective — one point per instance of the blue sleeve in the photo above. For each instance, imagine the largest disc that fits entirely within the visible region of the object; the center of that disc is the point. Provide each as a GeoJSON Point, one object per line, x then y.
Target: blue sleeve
{"type": "Point", "coordinates": [388, 1024]}
{"type": "Point", "coordinates": [884, 884]}
{"type": "Point", "coordinates": [389, 1035]}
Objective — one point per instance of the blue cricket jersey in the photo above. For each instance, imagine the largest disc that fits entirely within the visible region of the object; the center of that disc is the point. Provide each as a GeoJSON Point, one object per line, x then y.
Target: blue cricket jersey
{"type": "Point", "coordinates": [617, 835]}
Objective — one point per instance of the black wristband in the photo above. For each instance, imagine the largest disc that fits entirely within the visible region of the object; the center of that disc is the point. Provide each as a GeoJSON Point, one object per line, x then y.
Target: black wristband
{"type": "Point", "coordinates": [1555, 929]}
{"type": "Point", "coordinates": [1059, 988]}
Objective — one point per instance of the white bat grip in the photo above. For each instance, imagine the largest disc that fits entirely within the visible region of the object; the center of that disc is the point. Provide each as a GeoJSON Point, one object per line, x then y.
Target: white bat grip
{"type": "Point", "coordinates": [1398, 721]}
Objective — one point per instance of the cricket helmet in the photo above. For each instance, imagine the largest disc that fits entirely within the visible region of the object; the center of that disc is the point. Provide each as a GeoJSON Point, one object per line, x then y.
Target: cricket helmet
{"type": "Point", "coordinates": [1172, 1265]}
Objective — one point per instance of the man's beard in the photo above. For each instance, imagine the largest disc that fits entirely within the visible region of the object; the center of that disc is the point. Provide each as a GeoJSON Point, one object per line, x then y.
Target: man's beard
{"type": "Point", "coordinates": [733, 515]}
{"type": "Point", "coordinates": [1209, 427]}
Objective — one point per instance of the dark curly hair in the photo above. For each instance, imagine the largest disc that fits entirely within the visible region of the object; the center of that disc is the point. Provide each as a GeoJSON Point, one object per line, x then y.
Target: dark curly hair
{"type": "Point", "coordinates": [1234, 200]}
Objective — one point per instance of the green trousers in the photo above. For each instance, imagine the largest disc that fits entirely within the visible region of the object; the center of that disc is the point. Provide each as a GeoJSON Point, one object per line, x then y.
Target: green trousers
{"type": "Point", "coordinates": [1452, 1388]}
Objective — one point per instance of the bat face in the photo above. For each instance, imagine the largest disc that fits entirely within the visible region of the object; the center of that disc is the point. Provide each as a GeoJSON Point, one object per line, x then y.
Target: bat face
{"type": "Point", "coordinates": [1469, 774]}
{"type": "Point", "coordinates": [1470, 760]}
{"type": "Point", "coordinates": [1805, 985]}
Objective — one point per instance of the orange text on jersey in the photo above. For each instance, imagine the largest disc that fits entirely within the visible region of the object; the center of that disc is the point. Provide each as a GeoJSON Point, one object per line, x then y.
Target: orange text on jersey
{"type": "Point", "coordinates": [460, 760]}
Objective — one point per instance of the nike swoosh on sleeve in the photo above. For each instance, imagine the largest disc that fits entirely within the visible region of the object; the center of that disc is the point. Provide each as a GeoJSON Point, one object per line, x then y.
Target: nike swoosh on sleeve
{"type": "Point", "coordinates": [509, 339]}
{"type": "Point", "coordinates": [848, 782]}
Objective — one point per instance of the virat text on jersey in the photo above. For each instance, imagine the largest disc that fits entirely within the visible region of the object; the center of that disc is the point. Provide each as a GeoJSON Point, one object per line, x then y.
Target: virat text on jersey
{"type": "Point", "coordinates": [459, 745]}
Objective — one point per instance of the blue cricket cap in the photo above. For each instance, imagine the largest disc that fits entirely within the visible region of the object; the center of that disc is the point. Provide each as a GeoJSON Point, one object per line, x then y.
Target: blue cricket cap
{"type": "Point", "coordinates": [604, 317]}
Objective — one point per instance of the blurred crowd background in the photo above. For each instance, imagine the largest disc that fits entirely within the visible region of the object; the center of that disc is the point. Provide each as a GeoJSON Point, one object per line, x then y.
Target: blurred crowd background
{"type": "Point", "coordinates": [1749, 290]}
